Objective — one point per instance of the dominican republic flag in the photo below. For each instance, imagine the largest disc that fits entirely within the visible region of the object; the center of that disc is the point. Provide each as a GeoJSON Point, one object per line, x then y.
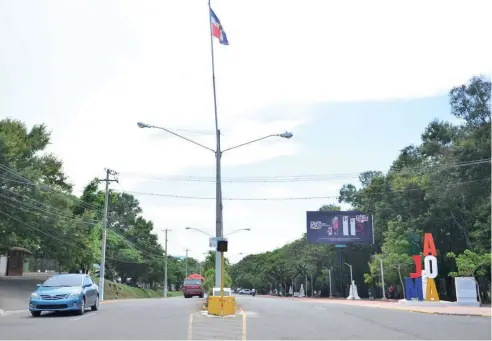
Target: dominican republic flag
{"type": "Point", "coordinates": [217, 29]}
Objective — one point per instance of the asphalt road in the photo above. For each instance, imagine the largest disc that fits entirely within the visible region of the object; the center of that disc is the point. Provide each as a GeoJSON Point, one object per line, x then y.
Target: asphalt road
{"type": "Point", "coordinates": [259, 319]}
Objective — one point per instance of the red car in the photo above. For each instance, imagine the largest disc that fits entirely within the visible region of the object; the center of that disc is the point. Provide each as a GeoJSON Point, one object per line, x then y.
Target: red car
{"type": "Point", "coordinates": [193, 286]}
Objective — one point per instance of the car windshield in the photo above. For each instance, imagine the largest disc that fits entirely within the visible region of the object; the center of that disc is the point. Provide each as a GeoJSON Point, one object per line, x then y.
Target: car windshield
{"type": "Point", "coordinates": [192, 282]}
{"type": "Point", "coordinates": [64, 281]}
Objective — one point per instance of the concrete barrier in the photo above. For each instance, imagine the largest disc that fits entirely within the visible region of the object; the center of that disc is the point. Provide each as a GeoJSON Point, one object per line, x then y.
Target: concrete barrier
{"type": "Point", "coordinates": [15, 290]}
{"type": "Point", "coordinates": [221, 306]}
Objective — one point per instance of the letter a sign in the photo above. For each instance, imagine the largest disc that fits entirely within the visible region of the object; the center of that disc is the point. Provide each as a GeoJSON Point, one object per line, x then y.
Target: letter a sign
{"type": "Point", "coordinates": [414, 285]}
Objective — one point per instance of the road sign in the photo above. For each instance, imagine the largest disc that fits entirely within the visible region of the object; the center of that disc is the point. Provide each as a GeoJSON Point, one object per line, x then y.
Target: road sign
{"type": "Point", "coordinates": [213, 241]}
{"type": "Point", "coordinates": [340, 246]}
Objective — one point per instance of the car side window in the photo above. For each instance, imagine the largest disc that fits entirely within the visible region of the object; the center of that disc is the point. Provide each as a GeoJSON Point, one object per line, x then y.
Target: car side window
{"type": "Point", "coordinates": [87, 281]}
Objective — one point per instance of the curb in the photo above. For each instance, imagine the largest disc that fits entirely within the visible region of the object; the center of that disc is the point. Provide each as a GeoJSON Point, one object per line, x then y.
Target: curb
{"type": "Point", "coordinates": [443, 313]}
{"type": "Point", "coordinates": [135, 299]}
{"type": "Point", "coordinates": [412, 310]}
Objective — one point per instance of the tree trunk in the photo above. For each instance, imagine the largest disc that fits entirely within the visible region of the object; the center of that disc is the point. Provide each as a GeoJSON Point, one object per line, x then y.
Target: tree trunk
{"type": "Point", "coordinates": [401, 281]}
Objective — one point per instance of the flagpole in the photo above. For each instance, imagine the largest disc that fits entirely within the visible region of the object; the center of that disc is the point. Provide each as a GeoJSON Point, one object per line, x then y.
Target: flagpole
{"type": "Point", "coordinates": [213, 66]}
{"type": "Point", "coordinates": [218, 157]}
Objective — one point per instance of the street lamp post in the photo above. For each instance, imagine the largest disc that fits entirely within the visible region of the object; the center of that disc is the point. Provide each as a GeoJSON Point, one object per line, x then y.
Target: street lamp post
{"type": "Point", "coordinates": [329, 276]}
{"type": "Point", "coordinates": [351, 282]}
{"type": "Point", "coordinates": [165, 261]}
{"type": "Point", "coordinates": [219, 230]}
{"type": "Point", "coordinates": [186, 264]}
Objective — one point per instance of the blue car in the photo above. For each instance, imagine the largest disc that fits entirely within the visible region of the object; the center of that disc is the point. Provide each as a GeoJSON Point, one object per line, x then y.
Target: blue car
{"type": "Point", "coordinates": [65, 292]}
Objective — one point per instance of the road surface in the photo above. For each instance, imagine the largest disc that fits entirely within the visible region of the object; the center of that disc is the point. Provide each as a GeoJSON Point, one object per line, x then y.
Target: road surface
{"type": "Point", "coordinates": [261, 318]}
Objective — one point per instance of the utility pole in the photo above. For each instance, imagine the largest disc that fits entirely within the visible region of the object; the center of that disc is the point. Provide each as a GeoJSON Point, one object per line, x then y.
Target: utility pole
{"type": "Point", "coordinates": [165, 262]}
{"type": "Point", "coordinates": [186, 263]}
{"type": "Point", "coordinates": [109, 172]}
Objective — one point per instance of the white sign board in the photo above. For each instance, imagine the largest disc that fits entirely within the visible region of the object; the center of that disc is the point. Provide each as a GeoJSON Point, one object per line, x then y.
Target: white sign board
{"type": "Point", "coordinates": [3, 265]}
{"type": "Point", "coordinates": [227, 292]}
{"type": "Point", "coordinates": [213, 241]}
{"type": "Point", "coordinates": [466, 291]}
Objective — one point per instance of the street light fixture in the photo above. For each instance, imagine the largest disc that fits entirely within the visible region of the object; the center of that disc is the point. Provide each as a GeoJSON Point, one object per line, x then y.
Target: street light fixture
{"type": "Point", "coordinates": [219, 231]}
{"type": "Point", "coordinates": [192, 228]}
{"type": "Point", "coordinates": [286, 135]}
{"type": "Point", "coordinates": [248, 229]}
{"type": "Point", "coordinates": [143, 125]}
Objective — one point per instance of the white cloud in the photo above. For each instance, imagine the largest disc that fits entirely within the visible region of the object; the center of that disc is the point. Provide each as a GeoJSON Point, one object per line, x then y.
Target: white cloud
{"type": "Point", "coordinates": [316, 52]}
{"type": "Point", "coordinates": [284, 56]}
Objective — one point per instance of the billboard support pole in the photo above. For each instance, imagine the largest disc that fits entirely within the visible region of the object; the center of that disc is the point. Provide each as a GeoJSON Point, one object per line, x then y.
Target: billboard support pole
{"type": "Point", "coordinates": [329, 276]}
{"type": "Point", "coordinates": [341, 272]}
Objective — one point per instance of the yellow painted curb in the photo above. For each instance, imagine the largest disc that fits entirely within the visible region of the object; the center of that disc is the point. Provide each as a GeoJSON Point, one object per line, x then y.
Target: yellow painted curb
{"type": "Point", "coordinates": [243, 334]}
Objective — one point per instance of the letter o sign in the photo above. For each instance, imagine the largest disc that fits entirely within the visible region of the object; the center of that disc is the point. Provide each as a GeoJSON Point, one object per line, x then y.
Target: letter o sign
{"type": "Point", "coordinates": [430, 266]}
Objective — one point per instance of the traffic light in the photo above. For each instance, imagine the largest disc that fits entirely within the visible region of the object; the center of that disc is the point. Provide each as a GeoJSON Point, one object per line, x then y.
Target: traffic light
{"type": "Point", "coordinates": [222, 245]}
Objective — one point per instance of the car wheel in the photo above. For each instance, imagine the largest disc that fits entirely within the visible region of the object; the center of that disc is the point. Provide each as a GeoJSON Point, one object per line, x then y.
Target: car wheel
{"type": "Point", "coordinates": [96, 305]}
{"type": "Point", "coordinates": [82, 307]}
{"type": "Point", "coordinates": [35, 313]}
{"type": "Point", "coordinates": [201, 296]}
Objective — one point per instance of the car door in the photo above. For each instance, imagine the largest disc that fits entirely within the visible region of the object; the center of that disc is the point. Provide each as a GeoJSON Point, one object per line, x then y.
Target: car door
{"type": "Point", "coordinates": [90, 295]}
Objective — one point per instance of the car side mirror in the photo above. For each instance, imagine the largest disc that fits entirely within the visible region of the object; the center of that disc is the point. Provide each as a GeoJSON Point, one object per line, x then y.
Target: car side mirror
{"type": "Point", "coordinates": [86, 285]}
{"type": "Point", "coordinates": [38, 285]}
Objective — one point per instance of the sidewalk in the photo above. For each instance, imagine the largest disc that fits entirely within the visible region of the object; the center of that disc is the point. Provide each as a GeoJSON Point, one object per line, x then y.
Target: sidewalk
{"type": "Point", "coordinates": [393, 304]}
{"type": "Point", "coordinates": [441, 310]}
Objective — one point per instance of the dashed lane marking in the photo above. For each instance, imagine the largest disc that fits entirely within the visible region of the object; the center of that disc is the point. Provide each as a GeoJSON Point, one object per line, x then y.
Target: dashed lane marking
{"type": "Point", "coordinates": [244, 324]}
{"type": "Point", "coordinates": [12, 312]}
{"type": "Point", "coordinates": [190, 327]}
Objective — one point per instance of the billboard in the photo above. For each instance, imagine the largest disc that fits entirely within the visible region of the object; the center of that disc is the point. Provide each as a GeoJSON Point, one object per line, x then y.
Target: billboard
{"type": "Point", "coordinates": [339, 227]}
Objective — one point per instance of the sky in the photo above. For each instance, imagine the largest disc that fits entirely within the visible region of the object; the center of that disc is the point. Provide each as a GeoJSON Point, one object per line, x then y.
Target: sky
{"type": "Point", "coordinates": [354, 81]}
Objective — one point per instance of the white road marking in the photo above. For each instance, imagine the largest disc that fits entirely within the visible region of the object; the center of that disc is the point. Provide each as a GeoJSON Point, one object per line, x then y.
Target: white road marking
{"type": "Point", "coordinates": [320, 308]}
{"type": "Point", "coordinates": [85, 315]}
{"type": "Point", "coordinates": [11, 312]}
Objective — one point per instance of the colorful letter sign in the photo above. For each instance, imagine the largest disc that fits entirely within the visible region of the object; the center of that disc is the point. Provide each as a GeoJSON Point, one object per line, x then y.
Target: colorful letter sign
{"type": "Point", "coordinates": [422, 281]}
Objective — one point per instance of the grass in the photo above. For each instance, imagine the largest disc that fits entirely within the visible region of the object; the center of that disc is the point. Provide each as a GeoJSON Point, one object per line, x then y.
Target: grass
{"type": "Point", "coordinates": [114, 291]}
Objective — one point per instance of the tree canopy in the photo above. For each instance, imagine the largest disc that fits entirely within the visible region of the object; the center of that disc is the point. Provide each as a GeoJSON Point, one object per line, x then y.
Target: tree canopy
{"type": "Point", "coordinates": [441, 186]}
{"type": "Point", "coordinates": [39, 212]}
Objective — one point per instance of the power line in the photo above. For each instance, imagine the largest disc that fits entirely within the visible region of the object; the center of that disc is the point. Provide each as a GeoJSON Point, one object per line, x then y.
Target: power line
{"type": "Point", "coordinates": [45, 187]}
{"type": "Point", "coordinates": [53, 211]}
{"type": "Point", "coordinates": [286, 198]}
{"type": "Point", "coordinates": [69, 219]}
{"type": "Point", "coordinates": [299, 178]}
{"type": "Point", "coordinates": [58, 213]}
{"type": "Point", "coordinates": [62, 240]}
